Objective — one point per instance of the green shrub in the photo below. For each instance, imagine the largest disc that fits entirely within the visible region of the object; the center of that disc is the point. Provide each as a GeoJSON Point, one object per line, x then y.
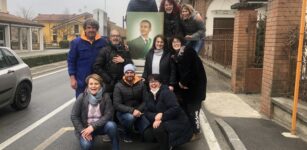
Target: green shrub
{"type": "Point", "coordinates": [42, 60]}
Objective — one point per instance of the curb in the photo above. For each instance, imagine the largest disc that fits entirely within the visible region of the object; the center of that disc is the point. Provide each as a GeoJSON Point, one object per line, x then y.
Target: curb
{"type": "Point", "coordinates": [217, 67]}
{"type": "Point", "coordinates": [208, 132]}
{"type": "Point", "coordinates": [230, 135]}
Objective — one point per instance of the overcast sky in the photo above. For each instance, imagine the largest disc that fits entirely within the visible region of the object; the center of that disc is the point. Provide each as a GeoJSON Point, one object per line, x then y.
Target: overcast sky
{"type": "Point", "coordinates": [115, 8]}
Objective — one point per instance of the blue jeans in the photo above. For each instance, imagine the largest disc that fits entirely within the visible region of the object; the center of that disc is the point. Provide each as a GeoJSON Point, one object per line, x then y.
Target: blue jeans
{"type": "Point", "coordinates": [110, 129]}
{"type": "Point", "coordinates": [128, 121]}
{"type": "Point", "coordinates": [196, 45]}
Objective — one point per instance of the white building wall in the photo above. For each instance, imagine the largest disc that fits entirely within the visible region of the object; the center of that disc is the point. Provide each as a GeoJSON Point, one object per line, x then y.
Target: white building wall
{"type": "Point", "coordinates": [102, 18]}
{"type": "Point", "coordinates": [218, 9]}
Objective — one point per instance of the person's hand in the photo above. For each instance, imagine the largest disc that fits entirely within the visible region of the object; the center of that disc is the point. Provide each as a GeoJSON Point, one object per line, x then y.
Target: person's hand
{"type": "Point", "coordinates": [136, 113]}
{"type": "Point", "coordinates": [188, 37]}
{"type": "Point", "coordinates": [87, 133]}
{"type": "Point", "coordinates": [183, 87]}
{"type": "Point", "coordinates": [88, 138]}
{"type": "Point", "coordinates": [73, 82]}
{"type": "Point", "coordinates": [171, 88]}
{"type": "Point", "coordinates": [118, 59]}
{"type": "Point", "coordinates": [158, 117]}
{"type": "Point", "coordinates": [156, 124]}
{"type": "Point", "coordinates": [126, 47]}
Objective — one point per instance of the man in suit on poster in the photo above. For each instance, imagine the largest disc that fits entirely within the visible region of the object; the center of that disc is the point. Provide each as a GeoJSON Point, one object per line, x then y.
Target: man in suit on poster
{"type": "Point", "coordinates": [139, 46]}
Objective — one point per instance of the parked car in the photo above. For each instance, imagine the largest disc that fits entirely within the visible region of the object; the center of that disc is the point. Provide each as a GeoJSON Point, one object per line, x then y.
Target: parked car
{"type": "Point", "coordinates": [15, 80]}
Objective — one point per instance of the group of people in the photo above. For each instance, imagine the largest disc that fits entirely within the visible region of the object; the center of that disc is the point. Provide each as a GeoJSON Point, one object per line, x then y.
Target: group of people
{"type": "Point", "coordinates": [162, 106]}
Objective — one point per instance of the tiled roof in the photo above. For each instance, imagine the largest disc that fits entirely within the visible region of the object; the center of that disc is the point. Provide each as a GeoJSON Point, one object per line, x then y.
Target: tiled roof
{"type": "Point", "coordinates": [53, 17]}
{"type": "Point", "coordinates": [8, 18]}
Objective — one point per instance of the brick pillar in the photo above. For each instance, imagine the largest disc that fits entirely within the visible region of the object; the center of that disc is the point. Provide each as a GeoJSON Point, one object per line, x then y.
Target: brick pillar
{"type": "Point", "coordinates": [243, 47]}
{"type": "Point", "coordinates": [283, 16]}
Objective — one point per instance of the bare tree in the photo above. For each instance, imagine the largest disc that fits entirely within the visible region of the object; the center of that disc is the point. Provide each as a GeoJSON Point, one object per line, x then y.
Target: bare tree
{"type": "Point", "coordinates": [26, 13]}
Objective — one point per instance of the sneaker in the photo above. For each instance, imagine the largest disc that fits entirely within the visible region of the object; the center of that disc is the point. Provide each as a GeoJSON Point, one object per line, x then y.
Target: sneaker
{"type": "Point", "coordinates": [196, 136]}
{"type": "Point", "coordinates": [127, 139]}
{"type": "Point", "coordinates": [106, 138]}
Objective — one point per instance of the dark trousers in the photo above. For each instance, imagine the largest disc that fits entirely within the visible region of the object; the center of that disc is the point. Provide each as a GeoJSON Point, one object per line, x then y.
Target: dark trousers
{"type": "Point", "coordinates": [159, 134]}
{"type": "Point", "coordinates": [192, 111]}
{"type": "Point", "coordinates": [128, 121]}
{"type": "Point", "coordinates": [110, 129]}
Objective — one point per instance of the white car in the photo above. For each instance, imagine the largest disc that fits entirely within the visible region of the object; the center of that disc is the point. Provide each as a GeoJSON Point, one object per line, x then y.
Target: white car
{"type": "Point", "coordinates": [15, 80]}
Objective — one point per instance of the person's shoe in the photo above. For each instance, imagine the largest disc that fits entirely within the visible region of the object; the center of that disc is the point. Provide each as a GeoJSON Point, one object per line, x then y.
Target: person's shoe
{"type": "Point", "coordinates": [171, 148]}
{"type": "Point", "coordinates": [127, 139]}
{"type": "Point", "coordinates": [196, 136]}
{"type": "Point", "coordinates": [106, 138]}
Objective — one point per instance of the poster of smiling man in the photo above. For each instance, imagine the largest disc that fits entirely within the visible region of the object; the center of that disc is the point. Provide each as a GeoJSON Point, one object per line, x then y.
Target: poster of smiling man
{"type": "Point", "coordinates": [142, 27]}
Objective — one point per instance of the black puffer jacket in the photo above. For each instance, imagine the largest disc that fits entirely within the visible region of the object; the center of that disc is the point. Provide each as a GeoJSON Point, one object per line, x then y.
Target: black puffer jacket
{"type": "Point", "coordinates": [107, 69]}
{"type": "Point", "coordinates": [129, 97]}
{"type": "Point", "coordinates": [174, 120]}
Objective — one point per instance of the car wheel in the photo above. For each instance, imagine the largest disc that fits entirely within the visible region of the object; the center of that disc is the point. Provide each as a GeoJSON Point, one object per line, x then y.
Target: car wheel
{"type": "Point", "coordinates": [22, 96]}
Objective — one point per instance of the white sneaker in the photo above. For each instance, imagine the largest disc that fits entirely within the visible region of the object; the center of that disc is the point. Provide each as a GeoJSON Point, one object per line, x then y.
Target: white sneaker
{"type": "Point", "coordinates": [106, 138]}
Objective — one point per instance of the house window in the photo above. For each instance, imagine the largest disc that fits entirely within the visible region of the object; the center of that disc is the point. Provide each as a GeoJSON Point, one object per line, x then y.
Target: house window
{"type": "Point", "coordinates": [54, 32]}
{"type": "Point", "coordinates": [2, 36]}
{"type": "Point", "coordinates": [55, 38]}
{"type": "Point", "coordinates": [65, 37]}
{"type": "Point", "coordinates": [223, 26]}
{"type": "Point", "coordinates": [76, 29]}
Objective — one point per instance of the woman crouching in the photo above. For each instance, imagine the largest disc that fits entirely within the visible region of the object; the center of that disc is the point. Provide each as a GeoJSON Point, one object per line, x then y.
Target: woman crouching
{"type": "Point", "coordinates": [92, 114]}
{"type": "Point", "coordinates": [170, 125]}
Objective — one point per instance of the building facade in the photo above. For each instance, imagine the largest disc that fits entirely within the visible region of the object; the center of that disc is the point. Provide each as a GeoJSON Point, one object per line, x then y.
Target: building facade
{"type": "Point", "coordinates": [19, 33]}
{"type": "Point", "coordinates": [61, 27]}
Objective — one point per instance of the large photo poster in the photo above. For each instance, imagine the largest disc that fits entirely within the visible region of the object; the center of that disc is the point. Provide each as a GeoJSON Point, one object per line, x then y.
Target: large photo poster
{"type": "Point", "coordinates": [142, 27]}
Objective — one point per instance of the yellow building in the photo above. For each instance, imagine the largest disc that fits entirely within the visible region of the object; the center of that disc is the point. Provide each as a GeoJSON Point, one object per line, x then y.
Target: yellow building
{"type": "Point", "coordinates": [59, 27]}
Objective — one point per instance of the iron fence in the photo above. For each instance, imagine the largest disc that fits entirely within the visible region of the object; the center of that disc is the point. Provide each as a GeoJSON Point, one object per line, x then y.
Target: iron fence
{"type": "Point", "coordinates": [219, 49]}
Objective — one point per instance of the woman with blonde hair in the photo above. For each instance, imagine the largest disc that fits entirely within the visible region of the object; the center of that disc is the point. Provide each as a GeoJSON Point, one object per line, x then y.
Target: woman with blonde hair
{"type": "Point", "coordinates": [92, 114]}
{"type": "Point", "coordinates": [193, 27]}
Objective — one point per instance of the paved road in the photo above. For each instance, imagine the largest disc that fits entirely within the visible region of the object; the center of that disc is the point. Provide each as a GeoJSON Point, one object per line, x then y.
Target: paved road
{"type": "Point", "coordinates": [46, 123]}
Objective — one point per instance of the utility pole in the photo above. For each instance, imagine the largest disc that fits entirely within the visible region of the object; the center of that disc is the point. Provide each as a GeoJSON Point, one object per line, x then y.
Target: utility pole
{"type": "Point", "coordinates": [298, 67]}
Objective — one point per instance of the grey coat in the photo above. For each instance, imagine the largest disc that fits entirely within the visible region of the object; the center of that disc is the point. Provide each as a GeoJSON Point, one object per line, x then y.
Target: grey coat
{"type": "Point", "coordinates": [194, 27]}
{"type": "Point", "coordinates": [80, 111]}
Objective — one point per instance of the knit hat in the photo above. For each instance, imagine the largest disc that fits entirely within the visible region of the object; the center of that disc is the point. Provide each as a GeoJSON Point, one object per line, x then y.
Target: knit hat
{"type": "Point", "coordinates": [129, 67]}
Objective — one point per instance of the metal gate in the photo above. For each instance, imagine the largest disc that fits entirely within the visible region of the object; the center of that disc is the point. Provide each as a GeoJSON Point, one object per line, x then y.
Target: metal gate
{"type": "Point", "coordinates": [219, 46]}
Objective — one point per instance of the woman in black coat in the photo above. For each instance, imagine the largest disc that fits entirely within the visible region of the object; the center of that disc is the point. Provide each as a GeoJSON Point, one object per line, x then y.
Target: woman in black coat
{"type": "Point", "coordinates": [171, 11]}
{"type": "Point", "coordinates": [192, 80]}
{"type": "Point", "coordinates": [158, 61]}
{"type": "Point", "coordinates": [169, 123]}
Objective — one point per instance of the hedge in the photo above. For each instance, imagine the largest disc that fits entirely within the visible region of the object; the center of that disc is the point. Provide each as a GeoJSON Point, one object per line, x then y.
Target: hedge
{"type": "Point", "coordinates": [64, 44]}
{"type": "Point", "coordinates": [45, 59]}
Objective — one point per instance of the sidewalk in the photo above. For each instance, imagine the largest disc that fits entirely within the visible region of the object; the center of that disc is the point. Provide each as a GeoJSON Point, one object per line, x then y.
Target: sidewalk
{"type": "Point", "coordinates": [238, 116]}
{"type": "Point", "coordinates": [26, 53]}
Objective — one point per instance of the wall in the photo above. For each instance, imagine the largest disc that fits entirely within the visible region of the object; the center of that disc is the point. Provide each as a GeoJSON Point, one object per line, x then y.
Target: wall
{"type": "Point", "coordinates": [3, 6]}
{"type": "Point", "coordinates": [218, 9]}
